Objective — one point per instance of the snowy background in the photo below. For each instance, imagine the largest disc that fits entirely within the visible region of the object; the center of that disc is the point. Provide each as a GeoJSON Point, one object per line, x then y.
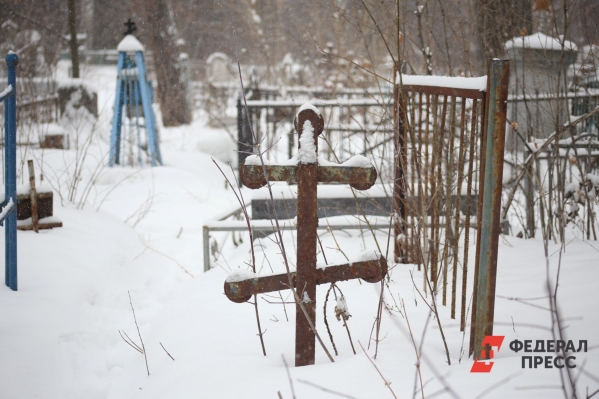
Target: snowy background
{"type": "Point", "coordinates": [139, 232]}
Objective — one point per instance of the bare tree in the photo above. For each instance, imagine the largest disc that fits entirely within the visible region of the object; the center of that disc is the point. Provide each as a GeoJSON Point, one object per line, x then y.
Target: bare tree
{"type": "Point", "coordinates": [73, 38]}
{"type": "Point", "coordinates": [171, 89]}
{"type": "Point", "coordinates": [498, 21]}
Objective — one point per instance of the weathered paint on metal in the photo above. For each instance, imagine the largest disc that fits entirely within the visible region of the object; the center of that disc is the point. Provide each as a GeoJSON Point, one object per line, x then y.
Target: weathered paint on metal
{"type": "Point", "coordinates": [307, 175]}
{"type": "Point", "coordinates": [371, 271]}
{"type": "Point", "coordinates": [10, 170]}
{"type": "Point", "coordinates": [252, 176]}
{"type": "Point", "coordinates": [491, 203]}
{"type": "Point", "coordinates": [481, 190]}
{"type": "Point", "coordinates": [307, 222]}
{"type": "Point", "coordinates": [399, 182]}
{"type": "Point", "coordinates": [33, 197]}
{"type": "Point", "coordinates": [129, 90]}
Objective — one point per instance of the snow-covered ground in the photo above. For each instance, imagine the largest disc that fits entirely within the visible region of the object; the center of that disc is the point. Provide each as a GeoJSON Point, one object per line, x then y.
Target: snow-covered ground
{"type": "Point", "coordinates": [139, 232]}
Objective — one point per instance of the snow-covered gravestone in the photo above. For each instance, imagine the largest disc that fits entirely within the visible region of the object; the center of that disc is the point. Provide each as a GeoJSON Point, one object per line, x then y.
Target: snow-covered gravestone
{"type": "Point", "coordinates": [361, 175]}
{"type": "Point", "coordinates": [218, 68]}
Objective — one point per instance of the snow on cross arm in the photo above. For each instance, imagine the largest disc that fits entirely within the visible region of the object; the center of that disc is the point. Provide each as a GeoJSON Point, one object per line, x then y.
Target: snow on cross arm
{"type": "Point", "coordinates": [240, 275]}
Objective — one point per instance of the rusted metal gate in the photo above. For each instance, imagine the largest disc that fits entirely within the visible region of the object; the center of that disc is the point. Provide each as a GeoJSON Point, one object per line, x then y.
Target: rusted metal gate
{"type": "Point", "coordinates": [440, 184]}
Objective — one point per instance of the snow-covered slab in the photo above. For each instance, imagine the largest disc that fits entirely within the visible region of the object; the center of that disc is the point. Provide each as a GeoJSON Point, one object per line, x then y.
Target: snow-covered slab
{"type": "Point", "coordinates": [242, 224]}
{"type": "Point", "coordinates": [284, 191]}
{"type": "Point", "coordinates": [540, 41]}
{"type": "Point", "coordinates": [46, 220]}
{"type": "Point", "coordinates": [479, 83]}
{"type": "Point", "coordinates": [49, 222]}
{"type": "Point", "coordinates": [23, 189]}
{"type": "Point", "coordinates": [130, 43]}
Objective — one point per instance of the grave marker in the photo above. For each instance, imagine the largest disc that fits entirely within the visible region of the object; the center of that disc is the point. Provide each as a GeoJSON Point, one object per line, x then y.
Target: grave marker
{"type": "Point", "coordinates": [361, 175]}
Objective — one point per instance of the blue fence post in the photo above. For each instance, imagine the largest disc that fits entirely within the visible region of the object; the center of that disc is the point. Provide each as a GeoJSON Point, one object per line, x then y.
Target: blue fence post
{"type": "Point", "coordinates": [10, 173]}
{"type": "Point", "coordinates": [117, 119]}
{"type": "Point", "coordinates": [483, 306]}
{"type": "Point", "coordinates": [146, 103]}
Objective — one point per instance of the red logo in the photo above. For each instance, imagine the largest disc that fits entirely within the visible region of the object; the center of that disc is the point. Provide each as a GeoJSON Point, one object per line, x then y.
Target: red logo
{"type": "Point", "coordinates": [490, 340]}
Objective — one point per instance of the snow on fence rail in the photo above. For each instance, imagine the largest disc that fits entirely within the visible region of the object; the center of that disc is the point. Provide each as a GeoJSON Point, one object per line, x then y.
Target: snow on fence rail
{"type": "Point", "coordinates": [219, 224]}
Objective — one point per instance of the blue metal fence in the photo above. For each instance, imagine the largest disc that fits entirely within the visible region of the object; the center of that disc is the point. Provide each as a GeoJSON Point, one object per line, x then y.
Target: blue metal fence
{"type": "Point", "coordinates": [8, 214]}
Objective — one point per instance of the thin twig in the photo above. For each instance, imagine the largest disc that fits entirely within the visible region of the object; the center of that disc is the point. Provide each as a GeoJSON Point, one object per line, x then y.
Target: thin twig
{"type": "Point", "coordinates": [139, 333]}
{"type": "Point", "coordinates": [387, 383]}
{"type": "Point", "coordinates": [415, 350]}
{"type": "Point", "coordinates": [169, 355]}
{"type": "Point", "coordinates": [289, 377]}
{"type": "Point", "coordinates": [131, 344]}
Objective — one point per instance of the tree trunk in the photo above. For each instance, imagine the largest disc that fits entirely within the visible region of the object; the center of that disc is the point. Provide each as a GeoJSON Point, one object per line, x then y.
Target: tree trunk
{"type": "Point", "coordinates": [171, 88]}
{"type": "Point", "coordinates": [73, 41]}
{"type": "Point", "coordinates": [499, 21]}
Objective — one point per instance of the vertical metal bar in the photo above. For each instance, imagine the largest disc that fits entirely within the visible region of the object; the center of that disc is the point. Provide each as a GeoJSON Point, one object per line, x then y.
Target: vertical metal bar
{"type": "Point", "coordinates": [412, 192]}
{"type": "Point", "coordinates": [33, 196]}
{"type": "Point", "coordinates": [307, 223]}
{"type": "Point", "coordinates": [425, 206]}
{"type": "Point", "coordinates": [458, 210]}
{"type": "Point", "coordinates": [117, 118]}
{"type": "Point", "coordinates": [439, 189]}
{"type": "Point", "coordinates": [136, 96]}
{"type": "Point", "coordinates": [245, 141]}
{"type": "Point", "coordinates": [240, 154]}
{"type": "Point", "coordinates": [146, 104]}
{"type": "Point", "coordinates": [490, 223]}
{"type": "Point", "coordinates": [10, 178]}
{"type": "Point", "coordinates": [206, 245]}
{"type": "Point", "coordinates": [481, 174]}
{"type": "Point", "coordinates": [418, 257]}
{"type": "Point", "coordinates": [469, 178]}
{"type": "Point", "coordinates": [435, 158]}
{"type": "Point", "coordinates": [129, 103]}
{"type": "Point", "coordinates": [448, 174]}
{"type": "Point", "coordinates": [400, 161]}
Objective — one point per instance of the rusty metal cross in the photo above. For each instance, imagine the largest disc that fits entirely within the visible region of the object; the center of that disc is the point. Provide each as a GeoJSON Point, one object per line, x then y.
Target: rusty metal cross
{"type": "Point", "coordinates": [307, 173]}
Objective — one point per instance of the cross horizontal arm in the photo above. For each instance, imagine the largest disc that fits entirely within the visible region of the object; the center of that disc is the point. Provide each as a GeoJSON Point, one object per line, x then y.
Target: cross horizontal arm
{"type": "Point", "coordinates": [360, 178]}
{"type": "Point", "coordinates": [371, 271]}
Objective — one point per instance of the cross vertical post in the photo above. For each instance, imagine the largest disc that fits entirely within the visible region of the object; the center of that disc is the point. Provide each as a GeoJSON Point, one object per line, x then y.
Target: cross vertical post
{"type": "Point", "coordinates": [309, 126]}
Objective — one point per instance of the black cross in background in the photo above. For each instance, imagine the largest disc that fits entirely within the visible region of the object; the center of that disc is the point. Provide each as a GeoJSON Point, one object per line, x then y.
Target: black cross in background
{"type": "Point", "coordinates": [130, 27]}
